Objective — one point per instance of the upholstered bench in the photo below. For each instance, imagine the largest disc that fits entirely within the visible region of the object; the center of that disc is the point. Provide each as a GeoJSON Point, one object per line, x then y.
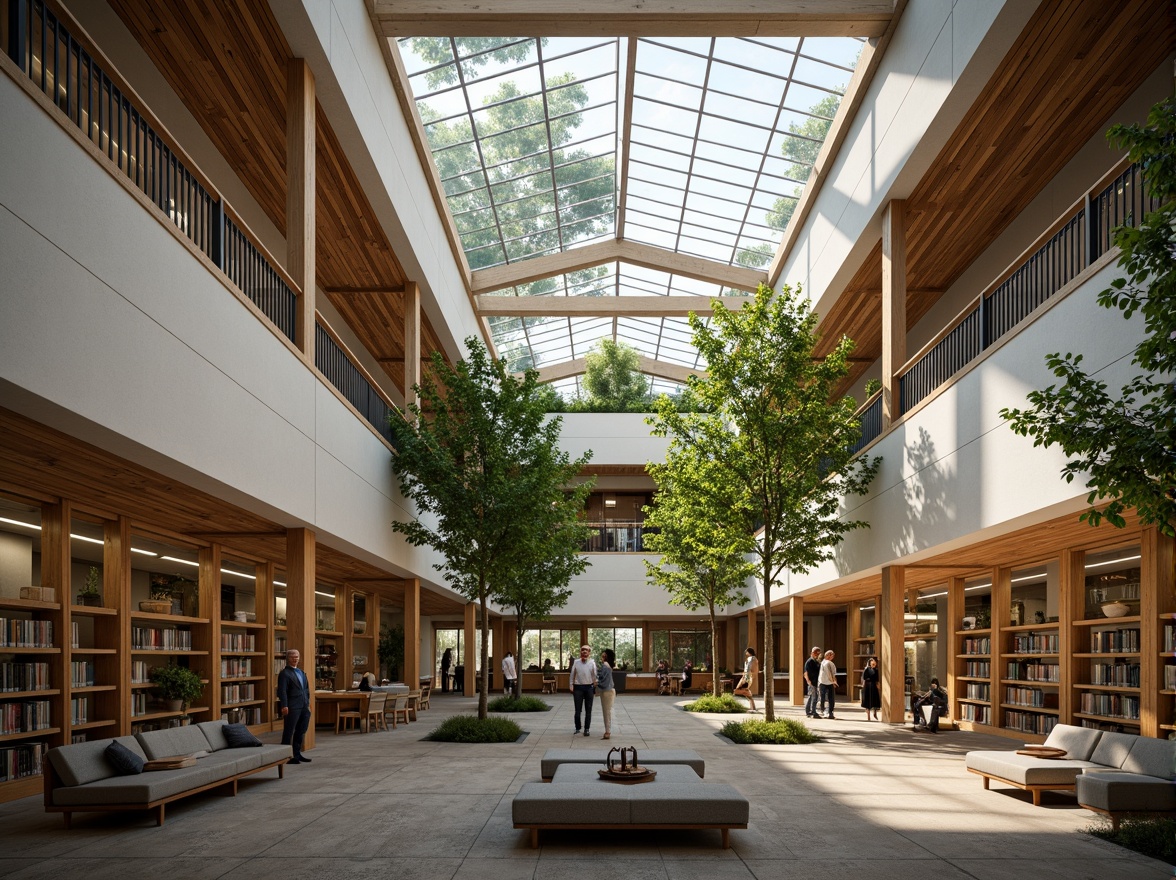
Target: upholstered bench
{"type": "Point", "coordinates": [553, 758]}
{"type": "Point", "coordinates": [1034, 774]}
{"type": "Point", "coordinates": [661, 804]}
{"type": "Point", "coordinates": [82, 778]}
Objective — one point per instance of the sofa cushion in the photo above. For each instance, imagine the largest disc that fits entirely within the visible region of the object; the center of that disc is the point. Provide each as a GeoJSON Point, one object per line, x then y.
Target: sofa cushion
{"type": "Point", "coordinates": [1151, 757]}
{"type": "Point", "coordinates": [576, 803]}
{"type": "Point", "coordinates": [173, 741]}
{"type": "Point", "coordinates": [123, 760]}
{"type": "Point", "coordinates": [1112, 749]}
{"type": "Point", "coordinates": [239, 737]}
{"type": "Point", "coordinates": [141, 789]}
{"type": "Point", "coordinates": [1024, 769]}
{"type": "Point", "coordinates": [1117, 791]}
{"type": "Point", "coordinates": [214, 732]}
{"type": "Point", "coordinates": [690, 803]}
{"type": "Point", "coordinates": [1079, 742]}
{"type": "Point", "coordinates": [666, 773]}
{"type": "Point", "coordinates": [81, 763]}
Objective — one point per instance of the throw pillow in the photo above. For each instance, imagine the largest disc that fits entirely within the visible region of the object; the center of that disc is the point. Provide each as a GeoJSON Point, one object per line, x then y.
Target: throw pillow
{"type": "Point", "coordinates": [239, 737]}
{"type": "Point", "coordinates": [123, 760]}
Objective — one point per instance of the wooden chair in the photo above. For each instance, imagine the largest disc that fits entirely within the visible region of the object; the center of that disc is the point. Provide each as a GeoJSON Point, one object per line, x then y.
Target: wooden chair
{"type": "Point", "coordinates": [398, 708]}
{"type": "Point", "coordinates": [375, 712]}
{"type": "Point", "coordinates": [426, 690]}
{"type": "Point", "coordinates": [413, 702]}
{"type": "Point", "coordinates": [549, 685]}
{"type": "Point", "coordinates": [346, 719]}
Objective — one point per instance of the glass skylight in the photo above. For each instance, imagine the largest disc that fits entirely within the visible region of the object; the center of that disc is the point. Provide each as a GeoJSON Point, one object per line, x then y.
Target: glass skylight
{"type": "Point", "coordinates": [526, 137]}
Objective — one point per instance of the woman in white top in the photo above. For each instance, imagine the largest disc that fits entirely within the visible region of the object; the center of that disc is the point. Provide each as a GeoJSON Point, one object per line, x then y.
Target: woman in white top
{"type": "Point", "coordinates": [605, 688]}
{"type": "Point", "coordinates": [746, 686]}
{"type": "Point", "coordinates": [508, 673]}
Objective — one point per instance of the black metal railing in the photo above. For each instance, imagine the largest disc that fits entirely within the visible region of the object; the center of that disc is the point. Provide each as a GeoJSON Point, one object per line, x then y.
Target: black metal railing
{"type": "Point", "coordinates": [1081, 240]}
{"type": "Point", "coordinates": [333, 362]}
{"type": "Point", "coordinates": [57, 64]}
{"type": "Point", "coordinates": [615, 537]}
{"type": "Point", "coordinates": [870, 419]}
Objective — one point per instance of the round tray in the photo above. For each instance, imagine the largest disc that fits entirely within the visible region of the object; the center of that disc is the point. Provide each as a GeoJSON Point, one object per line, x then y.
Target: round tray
{"type": "Point", "coordinates": [631, 776]}
{"type": "Point", "coordinates": [1042, 752]}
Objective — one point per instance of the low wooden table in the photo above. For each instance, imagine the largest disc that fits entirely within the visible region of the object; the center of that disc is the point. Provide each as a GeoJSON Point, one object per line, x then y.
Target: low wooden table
{"type": "Point", "coordinates": [329, 703]}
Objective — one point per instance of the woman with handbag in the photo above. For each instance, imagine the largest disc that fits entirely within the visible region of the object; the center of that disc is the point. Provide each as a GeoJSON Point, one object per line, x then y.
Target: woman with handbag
{"type": "Point", "coordinates": [605, 688]}
{"type": "Point", "coordinates": [746, 685]}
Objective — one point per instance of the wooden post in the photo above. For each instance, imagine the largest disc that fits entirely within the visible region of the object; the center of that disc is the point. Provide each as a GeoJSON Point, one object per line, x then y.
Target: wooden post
{"type": "Point", "coordinates": [300, 580]}
{"type": "Point", "coordinates": [501, 642]}
{"type": "Point", "coordinates": [1070, 580]}
{"type": "Point", "coordinates": [55, 573]}
{"type": "Point", "coordinates": [893, 307]}
{"type": "Point", "coordinates": [891, 644]}
{"type": "Point", "coordinates": [412, 633]}
{"type": "Point", "coordinates": [955, 664]}
{"type": "Point", "coordinates": [300, 204]}
{"type": "Point", "coordinates": [412, 342]}
{"type": "Point", "coordinates": [796, 650]}
{"type": "Point", "coordinates": [471, 653]}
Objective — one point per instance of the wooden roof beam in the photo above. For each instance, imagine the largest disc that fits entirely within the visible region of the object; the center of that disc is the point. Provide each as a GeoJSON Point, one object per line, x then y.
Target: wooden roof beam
{"type": "Point", "coordinates": [649, 366]}
{"type": "Point", "coordinates": [611, 250]}
{"type": "Point", "coordinates": [632, 18]}
{"type": "Point", "coordinates": [603, 306]}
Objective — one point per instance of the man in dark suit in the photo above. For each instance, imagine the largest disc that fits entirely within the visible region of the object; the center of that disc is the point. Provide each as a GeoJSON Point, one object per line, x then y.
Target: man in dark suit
{"type": "Point", "coordinates": [294, 700]}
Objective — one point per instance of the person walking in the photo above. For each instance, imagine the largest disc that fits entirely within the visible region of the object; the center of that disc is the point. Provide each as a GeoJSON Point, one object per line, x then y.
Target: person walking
{"type": "Point", "coordinates": [872, 689]}
{"type": "Point", "coordinates": [606, 689]}
{"type": "Point", "coordinates": [827, 680]}
{"type": "Point", "coordinates": [294, 702]}
{"type": "Point", "coordinates": [746, 685]}
{"type": "Point", "coordinates": [581, 682]}
{"type": "Point", "coordinates": [812, 670]}
{"type": "Point", "coordinates": [446, 662]}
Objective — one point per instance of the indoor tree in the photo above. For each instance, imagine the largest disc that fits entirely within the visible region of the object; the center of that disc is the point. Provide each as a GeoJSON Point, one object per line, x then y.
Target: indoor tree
{"type": "Point", "coordinates": [481, 462]}
{"type": "Point", "coordinates": [1124, 444]}
{"type": "Point", "coordinates": [613, 378]}
{"type": "Point", "coordinates": [705, 550]}
{"type": "Point", "coordinates": [779, 433]}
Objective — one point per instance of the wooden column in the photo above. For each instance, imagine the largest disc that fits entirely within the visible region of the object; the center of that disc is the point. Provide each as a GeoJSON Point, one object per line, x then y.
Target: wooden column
{"type": "Point", "coordinates": [731, 660]}
{"type": "Point", "coordinates": [300, 183]}
{"type": "Point", "coordinates": [753, 641]}
{"type": "Point", "coordinates": [894, 321]}
{"type": "Point", "coordinates": [796, 650]}
{"type": "Point", "coordinates": [412, 632]}
{"type": "Point", "coordinates": [891, 644]}
{"type": "Point", "coordinates": [955, 663]}
{"type": "Point", "coordinates": [55, 573]}
{"type": "Point", "coordinates": [1070, 582]}
{"type": "Point", "coordinates": [1002, 585]}
{"type": "Point", "coordinates": [300, 579]}
{"type": "Point", "coordinates": [470, 659]}
{"type": "Point", "coordinates": [412, 342]}
{"type": "Point", "coordinates": [1156, 599]}
{"type": "Point", "coordinates": [648, 664]}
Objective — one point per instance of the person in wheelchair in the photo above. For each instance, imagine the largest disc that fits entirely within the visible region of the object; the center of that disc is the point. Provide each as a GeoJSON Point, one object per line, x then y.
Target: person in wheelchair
{"type": "Point", "coordinates": [936, 698]}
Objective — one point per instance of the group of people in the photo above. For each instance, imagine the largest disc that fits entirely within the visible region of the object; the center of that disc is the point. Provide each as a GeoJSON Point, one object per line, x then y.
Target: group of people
{"type": "Point", "coordinates": [935, 699]}
{"type": "Point", "coordinates": [820, 680]}
{"type": "Point", "coordinates": [586, 680]}
{"type": "Point", "coordinates": [663, 674]}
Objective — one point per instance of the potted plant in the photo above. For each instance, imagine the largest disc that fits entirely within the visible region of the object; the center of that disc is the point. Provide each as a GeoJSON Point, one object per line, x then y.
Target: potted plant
{"type": "Point", "coordinates": [390, 649]}
{"type": "Point", "coordinates": [89, 593]}
{"type": "Point", "coordinates": [177, 686]}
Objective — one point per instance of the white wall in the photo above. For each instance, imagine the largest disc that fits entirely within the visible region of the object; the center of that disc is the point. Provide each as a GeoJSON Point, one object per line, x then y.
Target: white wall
{"type": "Point", "coordinates": [613, 438]}
{"type": "Point", "coordinates": [941, 56]}
{"type": "Point", "coordinates": [615, 585]}
{"type": "Point", "coordinates": [127, 341]}
{"type": "Point", "coordinates": [953, 473]}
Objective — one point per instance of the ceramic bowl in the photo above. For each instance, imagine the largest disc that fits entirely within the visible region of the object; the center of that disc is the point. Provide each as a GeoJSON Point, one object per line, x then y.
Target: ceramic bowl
{"type": "Point", "coordinates": [1116, 609]}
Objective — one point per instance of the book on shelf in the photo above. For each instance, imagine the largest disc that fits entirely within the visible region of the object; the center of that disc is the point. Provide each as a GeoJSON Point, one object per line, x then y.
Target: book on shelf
{"type": "Point", "coordinates": [81, 673]}
{"type": "Point", "coordinates": [79, 710]}
{"type": "Point", "coordinates": [1115, 674]}
{"type": "Point", "coordinates": [20, 760]}
{"type": "Point", "coordinates": [24, 677]}
{"type": "Point", "coordinates": [235, 667]}
{"type": "Point", "coordinates": [978, 645]}
{"type": "Point", "coordinates": [1029, 722]}
{"type": "Point", "coordinates": [1035, 643]}
{"type": "Point", "coordinates": [1024, 670]}
{"type": "Point", "coordinates": [1110, 705]}
{"type": "Point", "coordinates": [147, 638]}
{"type": "Point", "coordinates": [238, 642]}
{"type": "Point", "coordinates": [1114, 641]}
{"type": "Point", "coordinates": [977, 669]}
{"type": "Point", "coordinates": [24, 717]}
{"type": "Point", "coordinates": [25, 633]}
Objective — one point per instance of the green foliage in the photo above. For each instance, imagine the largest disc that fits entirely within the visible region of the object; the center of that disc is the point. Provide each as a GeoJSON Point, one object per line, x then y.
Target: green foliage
{"type": "Point", "coordinates": [177, 683]}
{"type": "Point", "coordinates": [613, 378]}
{"type": "Point", "coordinates": [518, 704]}
{"type": "Point", "coordinates": [802, 148]}
{"type": "Point", "coordinates": [468, 729]}
{"type": "Point", "coordinates": [873, 386]}
{"type": "Point", "coordinates": [90, 588]}
{"type": "Point", "coordinates": [695, 525]}
{"type": "Point", "coordinates": [1125, 441]}
{"type": "Point", "coordinates": [485, 474]}
{"type": "Point", "coordinates": [724, 703]}
{"type": "Point", "coordinates": [1154, 837]}
{"type": "Point", "coordinates": [390, 648]}
{"type": "Point", "coordinates": [781, 732]}
{"type": "Point", "coordinates": [775, 436]}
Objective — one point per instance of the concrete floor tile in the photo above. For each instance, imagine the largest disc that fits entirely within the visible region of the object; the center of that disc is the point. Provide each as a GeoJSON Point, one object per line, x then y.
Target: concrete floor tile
{"type": "Point", "coordinates": [381, 868]}
{"type": "Point", "coordinates": [122, 868]}
{"type": "Point", "coordinates": [707, 869]}
{"type": "Point", "coordinates": [9, 867]}
{"type": "Point", "coordinates": [475, 868]}
{"type": "Point", "coordinates": [599, 869]}
{"type": "Point", "coordinates": [1112, 868]}
{"type": "Point", "coordinates": [853, 869]}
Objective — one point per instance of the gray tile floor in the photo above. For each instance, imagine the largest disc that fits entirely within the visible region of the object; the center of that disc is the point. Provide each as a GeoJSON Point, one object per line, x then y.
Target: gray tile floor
{"type": "Point", "coordinates": [870, 800]}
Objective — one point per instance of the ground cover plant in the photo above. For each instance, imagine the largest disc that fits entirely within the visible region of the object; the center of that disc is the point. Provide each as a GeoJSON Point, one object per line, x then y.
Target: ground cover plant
{"type": "Point", "coordinates": [781, 732]}
{"type": "Point", "coordinates": [1155, 836]}
{"type": "Point", "coordinates": [724, 703]}
{"type": "Point", "coordinates": [518, 704]}
{"type": "Point", "coordinates": [471, 729]}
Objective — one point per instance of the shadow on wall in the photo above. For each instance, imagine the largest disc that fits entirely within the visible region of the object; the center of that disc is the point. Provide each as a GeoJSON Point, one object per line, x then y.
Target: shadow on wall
{"type": "Point", "coordinates": [926, 506]}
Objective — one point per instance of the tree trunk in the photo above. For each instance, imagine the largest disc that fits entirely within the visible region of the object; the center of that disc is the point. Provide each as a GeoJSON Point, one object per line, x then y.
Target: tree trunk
{"type": "Point", "coordinates": [485, 630]}
{"type": "Point", "coordinates": [518, 688]}
{"type": "Point", "coordinates": [716, 688]}
{"type": "Point", "coordinates": [768, 661]}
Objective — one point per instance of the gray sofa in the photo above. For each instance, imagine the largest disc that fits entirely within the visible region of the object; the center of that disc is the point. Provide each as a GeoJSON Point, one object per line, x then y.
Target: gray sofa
{"type": "Point", "coordinates": [578, 800]}
{"type": "Point", "coordinates": [79, 778]}
{"type": "Point", "coordinates": [1111, 773]}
